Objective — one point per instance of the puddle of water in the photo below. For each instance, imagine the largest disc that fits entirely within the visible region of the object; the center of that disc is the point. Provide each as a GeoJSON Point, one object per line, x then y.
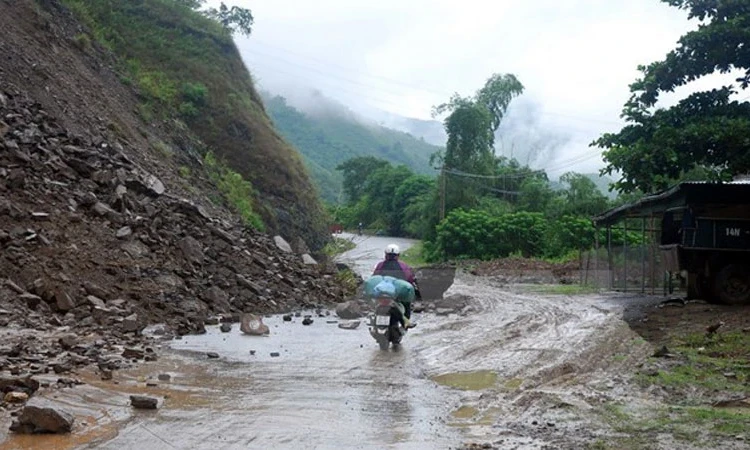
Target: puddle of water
{"type": "Point", "coordinates": [468, 381]}
{"type": "Point", "coordinates": [513, 384]}
{"type": "Point", "coordinates": [465, 412]}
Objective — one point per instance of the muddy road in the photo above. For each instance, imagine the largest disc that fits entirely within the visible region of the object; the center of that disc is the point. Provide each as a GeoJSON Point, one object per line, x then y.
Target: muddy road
{"type": "Point", "coordinates": [508, 365]}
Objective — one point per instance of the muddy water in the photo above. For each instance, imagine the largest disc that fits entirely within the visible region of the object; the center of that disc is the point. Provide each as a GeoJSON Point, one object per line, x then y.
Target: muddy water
{"type": "Point", "coordinates": [328, 388]}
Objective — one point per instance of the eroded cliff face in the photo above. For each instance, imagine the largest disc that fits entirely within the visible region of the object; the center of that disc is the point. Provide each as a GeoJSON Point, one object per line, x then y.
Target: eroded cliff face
{"type": "Point", "coordinates": [59, 60]}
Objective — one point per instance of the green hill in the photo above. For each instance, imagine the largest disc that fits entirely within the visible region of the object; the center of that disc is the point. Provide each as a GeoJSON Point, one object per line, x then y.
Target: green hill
{"type": "Point", "coordinates": [332, 134]}
{"type": "Point", "coordinates": [191, 78]}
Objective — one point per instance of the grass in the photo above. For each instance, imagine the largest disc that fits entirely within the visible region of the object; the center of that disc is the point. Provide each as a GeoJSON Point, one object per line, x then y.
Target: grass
{"type": "Point", "coordinates": [686, 423]}
{"type": "Point", "coordinates": [186, 66]}
{"type": "Point", "coordinates": [718, 363]}
{"type": "Point", "coordinates": [237, 191]}
{"type": "Point", "coordinates": [338, 246]}
{"type": "Point", "coordinates": [707, 369]}
{"type": "Point", "coordinates": [562, 289]}
{"type": "Point", "coordinates": [414, 255]}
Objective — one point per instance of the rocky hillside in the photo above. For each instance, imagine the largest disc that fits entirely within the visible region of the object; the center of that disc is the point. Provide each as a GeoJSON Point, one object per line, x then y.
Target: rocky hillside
{"type": "Point", "coordinates": [99, 231]}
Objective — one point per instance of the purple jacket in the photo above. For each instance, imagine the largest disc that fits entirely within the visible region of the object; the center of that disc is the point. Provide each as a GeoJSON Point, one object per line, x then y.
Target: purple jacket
{"type": "Point", "coordinates": [394, 268]}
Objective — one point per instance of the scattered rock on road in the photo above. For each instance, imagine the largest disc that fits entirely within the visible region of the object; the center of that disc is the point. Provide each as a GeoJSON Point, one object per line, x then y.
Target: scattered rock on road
{"type": "Point", "coordinates": [39, 417]}
{"type": "Point", "coordinates": [143, 402]}
{"type": "Point", "coordinates": [351, 325]}
{"type": "Point", "coordinates": [253, 325]}
{"type": "Point", "coordinates": [349, 310]}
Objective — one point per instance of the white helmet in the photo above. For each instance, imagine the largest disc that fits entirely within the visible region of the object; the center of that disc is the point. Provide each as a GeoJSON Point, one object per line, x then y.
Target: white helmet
{"type": "Point", "coordinates": [392, 249]}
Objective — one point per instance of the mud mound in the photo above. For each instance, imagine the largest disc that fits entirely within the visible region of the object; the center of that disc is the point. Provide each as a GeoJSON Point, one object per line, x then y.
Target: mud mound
{"type": "Point", "coordinates": [92, 240]}
{"type": "Point", "coordinates": [525, 270]}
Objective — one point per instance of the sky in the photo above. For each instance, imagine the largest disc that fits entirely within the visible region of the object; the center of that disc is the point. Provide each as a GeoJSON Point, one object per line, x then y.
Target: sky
{"type": "Point", "coordinates": [575, 58]}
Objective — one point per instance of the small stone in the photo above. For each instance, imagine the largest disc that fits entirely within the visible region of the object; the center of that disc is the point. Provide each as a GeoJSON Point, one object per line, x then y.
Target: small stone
{"type": "Point", "coordinates": [226, 327]}
{"type": "Point", "coordinates": [133, 353]}
{"type": "Point", "coordinates": [143, 402]}
{"type": "Point", "coordinates": [287, 318]}
{"type": "Point", "coordinates": [252, 352]}
{"type": "Point", "coordinates": [253, 325]}
{"type": "Point", "coordinates": [16, 397]}
{"type": "Point", "coordinates": [105, 374]}
{"type": "Point", "coordinates": [212, 355]}
{"type": "Point", "coordinates": [351, 325]}
{"type": "Point", "coordinates": [164, 377]}
{"type": "Point", "coordinates": [124, 232]}
{"type": "Point", "coordinates": [213, 320]}
{"type": "Point", "coordinates": [307, 321]}
{"type": "Point", "coordinates": [275, 354]}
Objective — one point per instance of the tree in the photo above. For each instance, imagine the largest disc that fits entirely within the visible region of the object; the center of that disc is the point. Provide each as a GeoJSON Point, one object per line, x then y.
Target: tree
{"type": "Point", "coordinates": [706, 131]}
{"type": "Point", "coordinates": [470, 125]}
{"type": "Point", "coordinates": [356, 172]}
{"type": "Point", "coordinates": [234, 19]}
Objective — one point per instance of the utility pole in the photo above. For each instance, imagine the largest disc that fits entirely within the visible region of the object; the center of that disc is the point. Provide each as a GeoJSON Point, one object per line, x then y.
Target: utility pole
{"type": "Point", "coordinates": [442, 192]}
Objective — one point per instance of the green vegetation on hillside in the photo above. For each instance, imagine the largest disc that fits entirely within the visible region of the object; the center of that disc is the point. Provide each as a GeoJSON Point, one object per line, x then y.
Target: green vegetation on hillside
{"type": "Point", "coordinates": [328, 138]}
{"type": "Point", "coordinates": [188, 70]}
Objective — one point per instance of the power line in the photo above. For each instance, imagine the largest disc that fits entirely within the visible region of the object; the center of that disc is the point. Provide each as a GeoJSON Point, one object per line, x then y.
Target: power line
{"type": "Point", "coordinates": [393, 81]}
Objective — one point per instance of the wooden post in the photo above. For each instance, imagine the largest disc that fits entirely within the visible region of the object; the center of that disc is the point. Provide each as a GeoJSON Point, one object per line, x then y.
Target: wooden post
{"type": "Point", "coordinates": [442, 192]}
{"type": "Point", "coordinates": [643, 255]}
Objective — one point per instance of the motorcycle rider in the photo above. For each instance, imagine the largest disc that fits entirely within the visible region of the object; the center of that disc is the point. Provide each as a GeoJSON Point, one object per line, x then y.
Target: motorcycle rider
{"type": "Point", "coordinates": [392, 266]}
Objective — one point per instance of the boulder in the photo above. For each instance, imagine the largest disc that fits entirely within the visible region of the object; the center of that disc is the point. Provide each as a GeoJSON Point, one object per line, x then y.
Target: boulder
{"type": "Point", "coordinates": [191, 249]}
{"type": "Point", "coordinates": [349, 310]}
{"type": "Point", "coordinates": [282, 244]}
{"type": "Point", "coordinates": [39, 416]}
{"type": "Point", "coordinates": [143, 402]}
{"type": "Point", "coordinates": [309, 260]}
{"type": "Point", "coordinates": [253, 325]}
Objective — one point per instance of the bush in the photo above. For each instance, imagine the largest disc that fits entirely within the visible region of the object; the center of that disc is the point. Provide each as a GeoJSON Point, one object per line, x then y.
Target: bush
{"type": "Point", "coordinates": [476, 234]}
{"type": "Point", "coordinates": [237, 191]}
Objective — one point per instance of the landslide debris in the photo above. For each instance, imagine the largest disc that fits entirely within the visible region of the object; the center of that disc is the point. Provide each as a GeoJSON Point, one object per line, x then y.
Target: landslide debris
{"type": "Point", "coordinates": [93, 247]}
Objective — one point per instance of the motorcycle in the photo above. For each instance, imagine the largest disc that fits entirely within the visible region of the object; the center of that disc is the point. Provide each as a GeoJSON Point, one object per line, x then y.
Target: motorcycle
{"type": "Point", "coordinates": [385, 323]}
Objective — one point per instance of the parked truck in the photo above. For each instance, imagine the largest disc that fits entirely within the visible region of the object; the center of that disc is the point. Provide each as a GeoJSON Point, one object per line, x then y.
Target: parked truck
{"type": "Point", "coordinates": [703, 236]}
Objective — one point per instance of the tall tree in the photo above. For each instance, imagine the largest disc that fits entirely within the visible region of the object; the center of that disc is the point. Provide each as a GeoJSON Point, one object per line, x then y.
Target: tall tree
{"type": "Point", "coordinates": [356, 172]}
{"type": "Point", "coordinates": [470, 125]}
{"type": "Point", "coordinates": [707, 131]}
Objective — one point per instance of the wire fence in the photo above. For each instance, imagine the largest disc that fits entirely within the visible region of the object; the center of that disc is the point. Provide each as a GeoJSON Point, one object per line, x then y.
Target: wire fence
{"type": "Point", "coordinates": [629, 268]}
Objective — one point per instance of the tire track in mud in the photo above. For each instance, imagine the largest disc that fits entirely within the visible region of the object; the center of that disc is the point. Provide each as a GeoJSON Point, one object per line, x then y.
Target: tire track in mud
{"type": "Point", "coordinates": [557, 358]}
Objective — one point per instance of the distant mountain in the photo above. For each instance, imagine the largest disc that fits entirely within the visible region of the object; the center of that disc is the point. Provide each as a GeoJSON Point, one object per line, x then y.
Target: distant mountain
{"type": "Point", "coordinates": [327, 134]}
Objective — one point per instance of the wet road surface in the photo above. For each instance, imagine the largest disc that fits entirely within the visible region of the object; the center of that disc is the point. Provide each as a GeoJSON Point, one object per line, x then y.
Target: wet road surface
{"type": "Point", "coordinates": [515, 367]}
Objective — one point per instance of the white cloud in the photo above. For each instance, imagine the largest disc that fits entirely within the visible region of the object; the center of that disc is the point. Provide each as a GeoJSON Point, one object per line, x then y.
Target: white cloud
{"type": "Point", "coordinates": [575, 57]}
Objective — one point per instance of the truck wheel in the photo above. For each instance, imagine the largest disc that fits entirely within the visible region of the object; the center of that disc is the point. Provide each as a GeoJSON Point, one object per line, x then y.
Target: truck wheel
{"type": "Point", "coordinates": [732, 284]}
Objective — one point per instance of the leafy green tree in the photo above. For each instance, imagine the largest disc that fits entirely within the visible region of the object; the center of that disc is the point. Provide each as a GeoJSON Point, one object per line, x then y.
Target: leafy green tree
{"type": "Point", "coordinates": [409, 201]}
{"type": "Point", "coordinates": [234, 19]}
{"type": "Point", "coordinates": [470, 125]}
{"type": "Point", "coordinates": [356, 174]}
{"type": "Point", "coordinates": [707, 130]}
{"type": "Point", "coordinates": [582, 197]}
{"type": "Point", "coordinates": [535, 195]}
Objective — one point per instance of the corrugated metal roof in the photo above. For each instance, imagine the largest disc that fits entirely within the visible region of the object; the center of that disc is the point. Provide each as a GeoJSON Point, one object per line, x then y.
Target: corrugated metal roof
{"type": "Point", "coordinates": [732, 192]}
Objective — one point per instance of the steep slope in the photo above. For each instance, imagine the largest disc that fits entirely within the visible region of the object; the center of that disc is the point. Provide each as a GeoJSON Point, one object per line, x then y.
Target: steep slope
{"type": "Point", "coordinates": [101, 229]}
{"type": "Point", "coordinates": [330, 135]}
{"type": "Point", "coordinates": [188, 71]}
